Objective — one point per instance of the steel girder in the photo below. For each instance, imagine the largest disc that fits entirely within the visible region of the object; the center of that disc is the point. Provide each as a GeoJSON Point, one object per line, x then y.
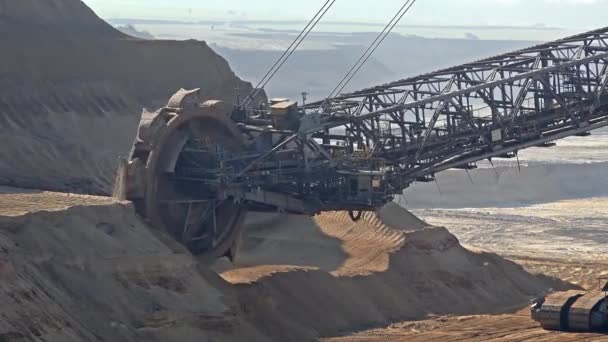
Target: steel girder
{"type": "Point", "coordinates": [488, 108]}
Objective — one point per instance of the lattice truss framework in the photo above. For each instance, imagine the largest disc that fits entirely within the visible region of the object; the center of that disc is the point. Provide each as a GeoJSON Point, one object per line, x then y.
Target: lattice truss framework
{"type": "Point", "coordinates": [488, 108]}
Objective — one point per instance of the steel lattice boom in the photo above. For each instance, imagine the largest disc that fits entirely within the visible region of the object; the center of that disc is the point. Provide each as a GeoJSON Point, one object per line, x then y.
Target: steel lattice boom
{"type": "Point", "coordinates": [197, 168]}
{"type": "Point", "coordinates": [492, 107]}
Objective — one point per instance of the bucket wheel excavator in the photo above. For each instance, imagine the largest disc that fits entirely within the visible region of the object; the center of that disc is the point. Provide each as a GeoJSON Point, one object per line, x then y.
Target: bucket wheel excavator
{"type": "Point", "coordinates": [174, 174]}
{"type": "Point", "coordinates": [197, 167]}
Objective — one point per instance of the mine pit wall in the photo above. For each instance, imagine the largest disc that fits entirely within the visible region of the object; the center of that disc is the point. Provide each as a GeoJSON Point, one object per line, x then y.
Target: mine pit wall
{"type": "Point", "coordinates": [46, 17]}
{"type": "Point", "coordinates": [72, 90]}
{"type": "Point", "coordinates": [507, 186]}
{"type": "Point", "coordinates": [65, 129]}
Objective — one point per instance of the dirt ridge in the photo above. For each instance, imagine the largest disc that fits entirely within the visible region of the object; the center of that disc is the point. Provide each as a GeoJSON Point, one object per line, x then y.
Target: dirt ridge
{"type": "Point", "coordinates": [73, 89]}
{"type": "Point", "coordinates": [87, 269]}
{"type": "Point", "coordinates": [366, 274]}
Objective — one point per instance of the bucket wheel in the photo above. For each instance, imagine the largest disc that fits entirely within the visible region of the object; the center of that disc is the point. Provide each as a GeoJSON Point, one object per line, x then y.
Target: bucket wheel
{"type": "Point", "coordinates": [177, 176]}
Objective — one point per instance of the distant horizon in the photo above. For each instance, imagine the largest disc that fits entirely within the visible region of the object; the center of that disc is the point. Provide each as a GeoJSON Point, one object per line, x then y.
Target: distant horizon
{"type": "Point", "coordinates": [277, 34]}
{"type": "Point", "coordinates": [126, 20]}
{"type": "Point", "coordinates": [567, 14]}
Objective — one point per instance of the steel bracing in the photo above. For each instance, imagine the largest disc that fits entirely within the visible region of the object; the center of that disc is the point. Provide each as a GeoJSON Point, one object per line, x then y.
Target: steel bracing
{"type": "Point", "coordinates": [489, 108]}
{"type": "Point", "coordinates": [356, 151]}
{"type": "Point", "coordinates": [196, 169]}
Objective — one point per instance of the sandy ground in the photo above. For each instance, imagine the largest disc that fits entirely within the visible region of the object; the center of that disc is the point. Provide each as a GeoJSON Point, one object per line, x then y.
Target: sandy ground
{"type": "Point", "coordinates": [515, 326]}
{"type": "Point", "coordinates": [344, 277]}
{"type": "Point", "coordinates": [563, 239]}
{"type": "Point", "coordinates": [498, 328]}
{"type": "Point", "coordinates": [84, 268]}
{"type": "Point", "coordinates": [297, 278]}
{"type": "Point", "coordinates": [573, 231]}
{"type": "Point", "coordinates": [17, 202]}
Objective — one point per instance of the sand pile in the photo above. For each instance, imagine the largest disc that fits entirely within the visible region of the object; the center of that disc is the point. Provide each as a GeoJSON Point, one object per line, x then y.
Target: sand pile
{"type": "Point", "coordinates": [86, 269]}
{"type": "Point", "coordinates": [327, 275]}
{"type": "Point", "coordinates": [325, 242]}
{"type": "Point", "coordinates": [73, 89]}
{"type": "Point", "coordinates": [396, 217]}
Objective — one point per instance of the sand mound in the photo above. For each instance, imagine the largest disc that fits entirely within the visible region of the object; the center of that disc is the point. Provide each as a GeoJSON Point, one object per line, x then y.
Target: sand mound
{"type": "Point", "coordinates": [73, 89]}
{"type": "Point", "coordinates": [331, 275]}
{"type": "Point", "coordinates": [496, 328]}
{"type": "Point", "coordinates": [396, 217]}
{"type": "Point", "coordinates": [87, 269]}
{"type": "Point", "coordinates": [329, 242]}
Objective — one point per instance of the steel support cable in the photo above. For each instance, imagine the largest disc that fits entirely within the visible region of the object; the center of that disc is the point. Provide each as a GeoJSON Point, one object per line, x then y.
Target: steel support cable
{"type": "Point", "coordinates": [289, 51]}
{"type": "Point", "coordinates": [378, 45]}
{"type": "Point", "coordinates": [299, 43]}
{"type": "Point", "coordinates": [369, 51]}
{"type": "Point", "coordinates": [307, 28]}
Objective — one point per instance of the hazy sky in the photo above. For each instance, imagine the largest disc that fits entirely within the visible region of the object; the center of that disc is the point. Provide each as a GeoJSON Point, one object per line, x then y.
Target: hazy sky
{"type": "Point", "coordinates": [560, 13]}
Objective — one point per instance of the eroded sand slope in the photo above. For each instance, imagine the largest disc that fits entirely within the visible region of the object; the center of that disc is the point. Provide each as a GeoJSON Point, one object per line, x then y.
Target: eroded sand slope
{"type": "Point", "coordinates": [85, 268]}
{"type": "Point", "coordinates": [76, 268]}
{"type": "Point", "coordinates": [332, 276]}
{"type": "Point", "coordinates": [498, 328]}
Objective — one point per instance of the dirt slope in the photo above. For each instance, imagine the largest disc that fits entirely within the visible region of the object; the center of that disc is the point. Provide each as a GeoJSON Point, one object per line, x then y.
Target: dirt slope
{"type": "Point", "coordinates": [498, 328]}
{"type": "Point", "coordinates": [75, 268]}
{"type": "Point", "coordinates": [396, 217]}
{"type": "Point", "coordinates": [72, 89]}
{"type": "Point", "coordinates": [86, 268]}
{"type": "Point", "coordinates": [333, 276]}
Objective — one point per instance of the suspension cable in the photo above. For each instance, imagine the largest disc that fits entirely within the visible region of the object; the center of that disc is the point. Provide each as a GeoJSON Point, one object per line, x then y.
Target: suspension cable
{"type": "Point", "coordinates": [376, 47]}
{"type": "Point", "coordinates": [290, 50]}
{"type": "Point", "coordinates": [369, 51]}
